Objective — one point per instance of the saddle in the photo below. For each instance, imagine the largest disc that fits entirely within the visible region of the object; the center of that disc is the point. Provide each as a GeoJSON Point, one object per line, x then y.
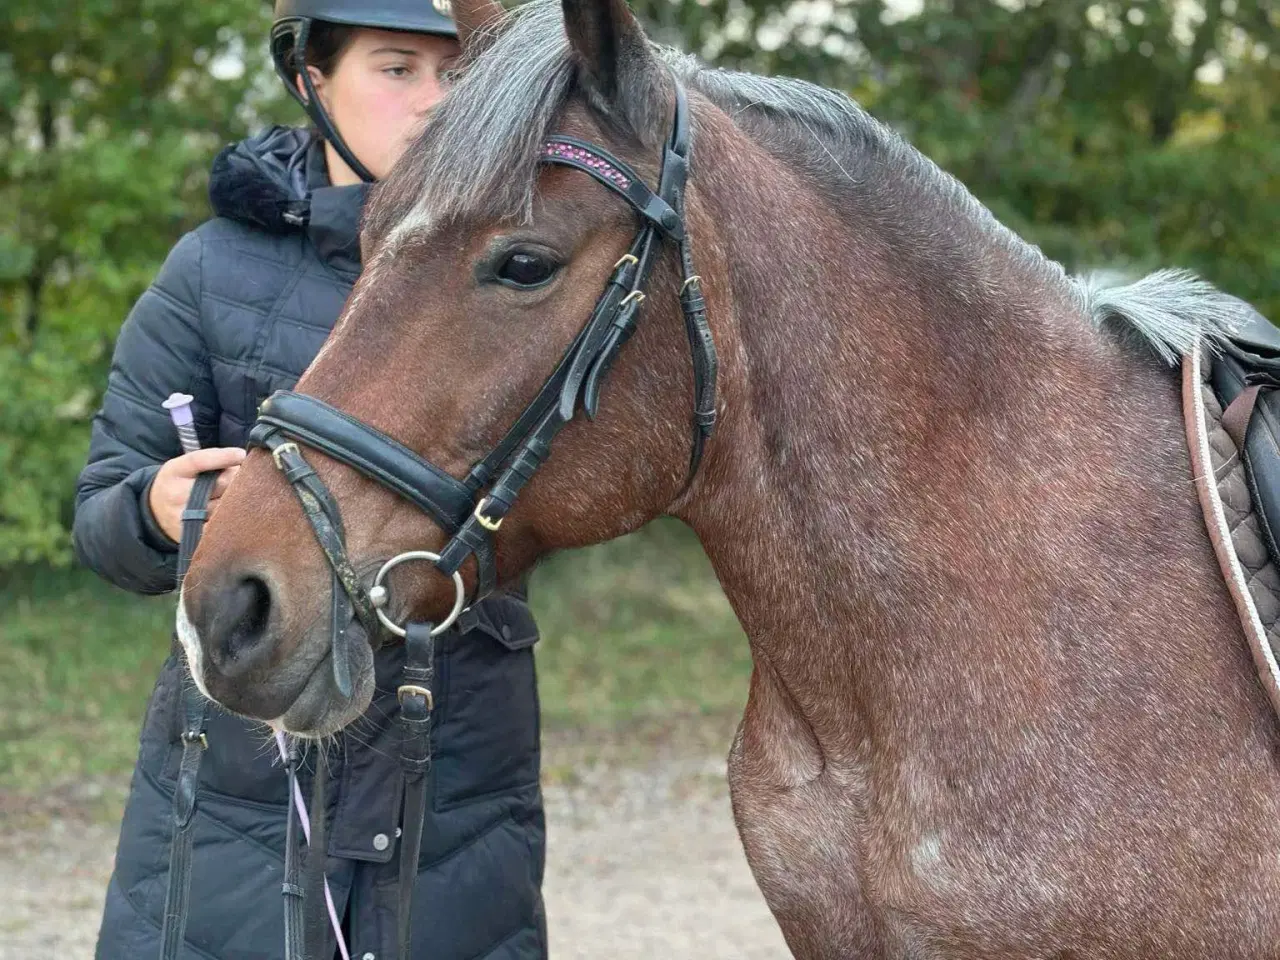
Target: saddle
{"type": "Point", "coordinates": [1231, 405]}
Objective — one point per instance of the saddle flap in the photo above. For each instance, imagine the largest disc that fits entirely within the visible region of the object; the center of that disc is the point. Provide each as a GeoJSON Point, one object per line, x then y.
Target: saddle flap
{"type": "Point", "coordinates": [1232, 376]}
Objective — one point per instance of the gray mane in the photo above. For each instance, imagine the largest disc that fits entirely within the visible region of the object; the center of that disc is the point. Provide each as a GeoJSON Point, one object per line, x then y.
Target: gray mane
{"type": "Point", "coordinates": [1168, 309]}
{"type": "Point", "coordinates": [478, 157]}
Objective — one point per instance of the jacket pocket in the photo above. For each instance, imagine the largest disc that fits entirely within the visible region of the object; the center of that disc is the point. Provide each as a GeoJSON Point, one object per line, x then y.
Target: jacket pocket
{"type": "Point", "coordinates": [488, 719]}
{"type": "Point", "coordinates": [235, 876]}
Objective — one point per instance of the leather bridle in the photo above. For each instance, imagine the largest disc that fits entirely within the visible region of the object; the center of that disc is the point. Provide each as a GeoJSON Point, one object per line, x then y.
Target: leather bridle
{"type": "Point", "coordinates": [470, 510]}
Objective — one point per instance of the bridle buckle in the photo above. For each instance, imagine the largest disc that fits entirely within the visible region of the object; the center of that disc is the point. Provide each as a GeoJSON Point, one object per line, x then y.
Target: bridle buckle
{"type": "Point", "coordinates": [283, 448]}
{"type": "Point", "coordinates": [490, 525]}
{"type": "Point", "coordinates": [413, 690]}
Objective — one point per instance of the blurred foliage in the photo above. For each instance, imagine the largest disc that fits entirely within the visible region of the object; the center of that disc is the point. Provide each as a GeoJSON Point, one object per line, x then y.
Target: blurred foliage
{"type": "Point", "coordinates": [1113, 134]}
{"type": "Point", "coordinates": [110, 113]}
{"type": "Point", "coordinates": [1119, 134]}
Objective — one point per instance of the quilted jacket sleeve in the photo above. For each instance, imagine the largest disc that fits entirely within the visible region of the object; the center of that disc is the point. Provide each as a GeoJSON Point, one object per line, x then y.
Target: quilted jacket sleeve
{"type": "Point", "coordinates": [160, 350]}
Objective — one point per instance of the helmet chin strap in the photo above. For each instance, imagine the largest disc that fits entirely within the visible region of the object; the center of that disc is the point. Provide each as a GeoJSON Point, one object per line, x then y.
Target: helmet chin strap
{"type": "Point", "coordinates": [315, 110]}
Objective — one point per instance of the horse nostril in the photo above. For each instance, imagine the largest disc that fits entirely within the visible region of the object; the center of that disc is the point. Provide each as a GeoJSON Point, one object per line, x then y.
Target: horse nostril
{"type": "Point", "coordinates": [246, 610]}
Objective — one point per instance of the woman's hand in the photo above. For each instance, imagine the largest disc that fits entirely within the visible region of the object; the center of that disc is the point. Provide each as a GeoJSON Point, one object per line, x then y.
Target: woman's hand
{"type": "Point", "coordinates": [171, 487]}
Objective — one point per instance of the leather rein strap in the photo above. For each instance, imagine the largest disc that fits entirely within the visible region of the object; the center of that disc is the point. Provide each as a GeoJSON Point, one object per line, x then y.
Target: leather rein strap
{"type": "Point", "coordinates": [415, 719]}
{"type": "Point", "coordinates": [173, 928]}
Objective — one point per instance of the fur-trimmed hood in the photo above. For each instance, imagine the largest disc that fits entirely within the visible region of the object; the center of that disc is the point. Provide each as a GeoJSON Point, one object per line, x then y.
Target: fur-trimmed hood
{"type": "Point", "coordinates": [262, 180]}
{"type": "Point", "coordinates": [277, 180]}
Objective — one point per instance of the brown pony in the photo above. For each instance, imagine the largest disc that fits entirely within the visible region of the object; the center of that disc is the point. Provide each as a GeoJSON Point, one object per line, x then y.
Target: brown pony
{"type": "Point", "coordinates": [1001, 703]}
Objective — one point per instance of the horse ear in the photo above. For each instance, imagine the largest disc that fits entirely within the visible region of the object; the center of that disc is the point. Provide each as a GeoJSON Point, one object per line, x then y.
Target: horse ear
{"type": "Point", "coordinates": [476, 21]}
{"type": "Point", "coordinates": [615, 64]}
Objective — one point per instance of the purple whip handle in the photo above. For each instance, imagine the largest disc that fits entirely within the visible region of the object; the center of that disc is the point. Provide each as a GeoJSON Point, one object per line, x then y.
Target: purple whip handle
{"type": "Point", "coordinates": [179, 407]}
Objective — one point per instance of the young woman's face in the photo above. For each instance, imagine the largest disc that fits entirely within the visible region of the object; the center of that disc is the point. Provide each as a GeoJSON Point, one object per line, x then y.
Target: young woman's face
{"type": "Point", "coordinates": [380, 92]}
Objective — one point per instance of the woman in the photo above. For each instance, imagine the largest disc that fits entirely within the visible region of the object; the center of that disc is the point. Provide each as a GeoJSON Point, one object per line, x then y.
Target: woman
{"type": "Point", "coordinates": [239, 309]}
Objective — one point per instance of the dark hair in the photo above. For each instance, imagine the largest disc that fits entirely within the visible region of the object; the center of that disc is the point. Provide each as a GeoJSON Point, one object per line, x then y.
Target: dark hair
{"type": "Point", "coordinates": [326, 44]}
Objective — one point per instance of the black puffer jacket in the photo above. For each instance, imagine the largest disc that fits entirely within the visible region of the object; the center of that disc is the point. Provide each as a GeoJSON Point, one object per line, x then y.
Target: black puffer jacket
{"type": "Point", "coordinates": [239, 309]}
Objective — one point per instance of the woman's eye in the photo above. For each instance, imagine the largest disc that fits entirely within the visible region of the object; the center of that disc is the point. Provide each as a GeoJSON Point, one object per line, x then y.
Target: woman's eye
{"type": "Point", "coordinates": [397, 71]}
{"type": "Point", "coordinates": [526, 270]}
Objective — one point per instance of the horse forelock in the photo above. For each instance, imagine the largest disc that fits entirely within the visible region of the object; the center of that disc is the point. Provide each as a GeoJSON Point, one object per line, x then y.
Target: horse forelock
{"type": "Point", "coordinates": [478, 154]}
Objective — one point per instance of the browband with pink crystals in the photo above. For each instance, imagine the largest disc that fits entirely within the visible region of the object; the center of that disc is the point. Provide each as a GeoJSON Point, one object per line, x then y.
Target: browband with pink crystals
{"type": "Point", "coordinates": [584, 157]}
{"type": "Point", "coordinates": [617, 176]}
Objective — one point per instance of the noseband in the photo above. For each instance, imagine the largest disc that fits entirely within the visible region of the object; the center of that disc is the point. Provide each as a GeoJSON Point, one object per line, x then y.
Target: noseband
{"type": "Point", "coordinates": [471, 510]}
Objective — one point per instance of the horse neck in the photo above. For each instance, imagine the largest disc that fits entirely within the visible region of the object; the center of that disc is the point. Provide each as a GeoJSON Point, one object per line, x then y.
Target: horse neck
{"type": "Point", "coordinates": [929, 469]}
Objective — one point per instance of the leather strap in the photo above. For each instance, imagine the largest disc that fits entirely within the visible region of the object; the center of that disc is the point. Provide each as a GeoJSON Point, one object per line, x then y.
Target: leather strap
{"type": "Point", "coordinates": [317, 927]}
{"type": "Point", "coordinates": [348, 594]}
{"type": "Point", "coordinates": [616, 308]}
{"type": "Point", "coordinates": [173, 928]}
{"type": "Point", "coordinates": [675, 175]}
{"type": "Point", "coordinates": [1233, 575]}
{"type": "Point", "coordinates": [416, 702]}
{"type": "Point", "coordinates": [291, 889]}
{"type": "Point", "coordinates": [552, 391]}
{"type": "Point", "coordinates": [618, 177]}
{"type": "Point", "coordinates": [1235, 419]}
{"type": "Point", "coordinates": [371, 452]}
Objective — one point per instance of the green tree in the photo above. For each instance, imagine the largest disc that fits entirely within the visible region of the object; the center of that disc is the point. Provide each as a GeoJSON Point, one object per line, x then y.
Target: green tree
{"type": "Point", "coordinates": [1113, 133]}
{"type": "Point", "coordinates": [1129, 134]}
{"type": "Point", "coordinates": [110, 112]}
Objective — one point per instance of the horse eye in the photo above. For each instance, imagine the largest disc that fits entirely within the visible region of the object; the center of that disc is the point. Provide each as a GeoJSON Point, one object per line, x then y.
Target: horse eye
{"type": "Point", "coordinates": [526, 270]}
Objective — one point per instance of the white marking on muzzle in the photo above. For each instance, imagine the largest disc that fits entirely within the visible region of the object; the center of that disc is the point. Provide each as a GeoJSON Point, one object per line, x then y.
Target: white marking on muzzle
{"type": "Point", "coordinates": [190, 641]}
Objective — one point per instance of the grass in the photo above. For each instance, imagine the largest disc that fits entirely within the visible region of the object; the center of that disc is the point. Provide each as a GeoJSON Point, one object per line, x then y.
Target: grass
{"type": "Point", "coordinates": [638, 641]}
{"type": "Point", "coordinates": [636, 630]}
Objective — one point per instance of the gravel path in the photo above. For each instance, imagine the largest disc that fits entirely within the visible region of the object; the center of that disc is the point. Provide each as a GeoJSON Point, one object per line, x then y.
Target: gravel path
{"type": "Point", "coordinates": [642, 862]}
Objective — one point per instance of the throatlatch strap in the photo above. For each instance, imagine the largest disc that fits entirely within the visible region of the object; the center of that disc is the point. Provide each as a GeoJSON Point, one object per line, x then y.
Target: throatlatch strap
{"type": "Point", "coordinates": [174, 926]}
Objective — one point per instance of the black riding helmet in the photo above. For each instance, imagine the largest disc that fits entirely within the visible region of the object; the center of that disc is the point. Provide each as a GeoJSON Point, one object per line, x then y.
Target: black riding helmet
{"type": "Point", "coordinates": [292, 26]}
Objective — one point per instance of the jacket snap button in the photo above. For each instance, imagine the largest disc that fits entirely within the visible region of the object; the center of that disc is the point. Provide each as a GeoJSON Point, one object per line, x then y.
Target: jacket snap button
{"type": "Point", "coordinates": [368, 956]}
{"type": "Point", "coordinates": [381, 841]}
{"type": "Point", "coordinates": [506, 632]}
